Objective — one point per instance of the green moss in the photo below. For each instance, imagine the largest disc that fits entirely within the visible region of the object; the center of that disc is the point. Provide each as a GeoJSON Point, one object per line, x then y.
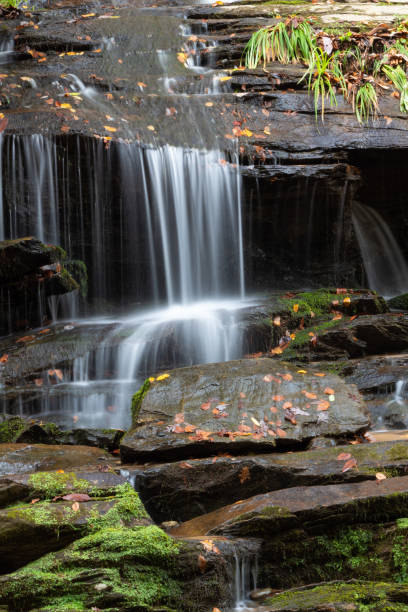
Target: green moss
{"type": "Point", "coordinates": [402, 523]}
{"type": "Point", "coordinates": [400, 558]}
{"type": "Point", "coordinates": [349, 549]}
{"type": "Point", "coordinates": [399, 302]}
{"type": "Point", "coordinates": [398, 451]}
{"type": "Point", "coordinates": [79, 272]}
{"type": "Point", "coordinates": [138, 398]}
{"type": "Point", "coordinates": [134, 567]}
{"type": "Point", "coordinates": [319, 302]}
{"type": "Point", "coordinates": [11, 429]}
{"type": "Point", "coordinates": [49, 484]}
{"type": "Point", "coordinates": [127, 508]}
{"type": "Point", "coordinates": [70, 283]}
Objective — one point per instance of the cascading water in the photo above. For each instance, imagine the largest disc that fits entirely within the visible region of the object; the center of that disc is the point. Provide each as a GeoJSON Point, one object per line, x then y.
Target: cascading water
{"type": "Point", "coordinates": [384, 263]}
{"type": "Point", "coordinates": [178, 235]}
{"type": "Point", "coordinates": [245, 573]}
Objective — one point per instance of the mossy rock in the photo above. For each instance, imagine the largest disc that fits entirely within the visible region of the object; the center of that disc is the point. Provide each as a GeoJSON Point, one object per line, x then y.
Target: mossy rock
{"type": "Point", "coordinates": [400, 302]}
{"type": "Point", "coordinates": [28, 531]}
{"type": "Point", "coordinates": [338, 596]}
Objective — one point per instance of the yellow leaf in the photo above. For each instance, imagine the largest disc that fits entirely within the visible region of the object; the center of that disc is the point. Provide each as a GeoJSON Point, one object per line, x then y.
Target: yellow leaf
{"type": "Point", "coordinates": [163, 376]}
{"type": "Point", "coordinates": [60, 472]}
{"type": "Point", "coordinates": [151, 128]}
{"type": "Point", "coordinates": [302, 372]}
{"type": "Point", "coordinates": [88, 15]}
{"type": "Point", "coordinates": [267, 131]}
{"type": "Point", "coordinates": [255, 422]}
{"type": "Point", "coordinates": [295, 307]}
{"type": "Point", "coordinates": [152, 379]}
{"type": "Point", "coordinates": [246, 132]}
{"type": "Point", "coordinates": [209, 103]}
{"type": "Point", "coordinates": [225, 78]}
{"type": "Point", "coordinates": [65, 105]}
{"type": "Point", "coordinates": [182, 57]}
{"type": "Point", "coordinates": [110, 128]}
{"type": "Point", "coordinates": [346, 300]}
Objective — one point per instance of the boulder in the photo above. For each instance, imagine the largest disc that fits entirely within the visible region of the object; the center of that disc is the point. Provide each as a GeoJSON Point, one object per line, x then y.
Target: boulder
{"type": "Point", "coordinates": [248, 405]}
{"type": "Point", "coordinates": [28, 531]}
{"type": "Point", "coordinates": [23, 458]}
{"type": "Point", "coordinates": [30, 272]}
{"type": "Point", "coordinates": [183, 490]}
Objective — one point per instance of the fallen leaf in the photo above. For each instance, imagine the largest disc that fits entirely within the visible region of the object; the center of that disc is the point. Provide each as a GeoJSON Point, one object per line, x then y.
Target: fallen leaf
{"type": "Point", "coordinates": [280, 432]}
{"type": "Point", "coordinates": [25, 338]}
{"type": "Point", "coordinates": [277, 321]}
{"type": "Point", "coordinates": [346, 301]}
{"type": "Point", "coordinates": [322, 405]}
{"type": "Point", "coordinates": [277, 398]}
{"type": "Point", "coordinates": [380, 476]}
{"type": "Point", "coordinates": [109, 128]}
{"type": "Point", "coordinates": [244, 475]}
{"type": "Point", "coordinates": [185, 465]}
{"type": "Point", "coordinates": [179, 417]}
{"type": "Point", "coordinates": [287, 376]}
{"type": "Point", "coordinates": [268, 378]}
{"type": "Point", "coordinates": [77, 497]}
{"type": "Point", "coordinates": [343, 456]}
{"type": "Point", "coordinates": [255, 422]}
{"type": "Point", "coordinates": [4, 358]}
{"type": "Point", "coordinates": [276, 351]}
{"type": "Point", "coordinates": [163, 377]}
{"type": "Point", "coordinates": [39, 382]}
{"type": "Point", "coordinates": [88, 15]}
{"type": "Point", "coordinates": [309, 395]}
{"type": "Point", "coordinates": [329, 391]}
{"type": "Point", "coordinates": [34, 501]}
{"type": "Point", "coordinates": [75, 506]}
{"type": "Point", "coordinates": [202, 563]}
{"type": "Point", "coordinates": [350, 464]}
{"type": "Point", "coordinates": [225, 78]}
{"type": "Point", "coordinates": [287, 405]}
{"type": "Point", "coordinates": [295, 307]}
{"type": "Point", "coordinates": [151, 128]}
{"type": "Point", "coordinates": [206, 406]}
{"type": "Point", "coordinates": [321, 374]}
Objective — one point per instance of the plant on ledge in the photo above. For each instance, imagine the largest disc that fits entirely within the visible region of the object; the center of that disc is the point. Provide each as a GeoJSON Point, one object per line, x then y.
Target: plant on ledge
{"type": "Point", "coordinates": [353, 65]}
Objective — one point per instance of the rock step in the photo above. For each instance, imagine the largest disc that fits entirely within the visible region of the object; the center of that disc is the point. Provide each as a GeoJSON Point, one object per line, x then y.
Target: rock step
{"type": "Point", "coordinates": [183, 490]}
{"type": "Point", "coordinates": [312, 506]}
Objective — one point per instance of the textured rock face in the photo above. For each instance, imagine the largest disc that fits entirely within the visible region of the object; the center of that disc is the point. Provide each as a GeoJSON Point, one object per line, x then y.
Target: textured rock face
{"type": "Point", "coordinates": [273, 512]}
{"type": "Point", "coordinates": [183, 490]}
{"type": "Point", "coordinates": [245, 405]}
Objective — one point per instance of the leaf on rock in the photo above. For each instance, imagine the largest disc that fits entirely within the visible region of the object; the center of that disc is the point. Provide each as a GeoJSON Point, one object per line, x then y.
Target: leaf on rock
{"type": "Point", "coordinates": [244, 475]}
{"type": "Point", "coordinates": [77, 497]}
{"type": "Point", "coordinates": [202, 563]}
{"type": "Point", "coordinates": [343, 456]}
{"type": "Point", "coordinates": [75, 506]}
{"type": "Point", "coordinates": [349, 465]}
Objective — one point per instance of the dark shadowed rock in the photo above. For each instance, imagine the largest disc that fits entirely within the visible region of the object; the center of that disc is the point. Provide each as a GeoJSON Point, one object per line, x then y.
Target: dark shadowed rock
{"type": "Point", "coordinates": [183, 490]}
{"type": "Point", "coordinates": [243, 406]}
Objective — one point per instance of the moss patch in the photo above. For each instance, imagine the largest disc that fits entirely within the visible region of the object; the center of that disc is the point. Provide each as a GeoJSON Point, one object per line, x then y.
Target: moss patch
{"type": "Point", "coordinates": [11, 429]}
{"type": "Point", "coordinates": [49, 484]}
{"type": "Point", "coordinates": [138, 398]}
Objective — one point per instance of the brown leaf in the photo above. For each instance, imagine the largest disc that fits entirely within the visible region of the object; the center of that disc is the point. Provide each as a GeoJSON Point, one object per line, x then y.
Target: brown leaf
{"type": "Point", "coordinates": [349, 465]}
{"type": "Point", "coordinates": [244, 475]}
{"type": "Point", "coordinates": [4, 358]}
{"type": "Point", "coordinates": [343, 456]}
{"type": "Point", "coordinates": [206, 406]}
{"type": "Point", "coordinates": [77, 497]}
{"type": "Point", "coordinates": [185, 465]}
{"type": "Point", "coordinates": [202, 563]}
{"type": "Point", "coordinates": [26, 339]}
{"type": "Point", "coordinates": [75, 506]}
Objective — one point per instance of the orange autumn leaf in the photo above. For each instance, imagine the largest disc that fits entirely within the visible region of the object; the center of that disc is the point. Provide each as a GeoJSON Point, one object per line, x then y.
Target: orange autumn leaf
{"type": "Point", "coordinates": [295, 307]}
{"type": "Point", "coordinates": [186, 465]}
{"type": "Point", "coordinates": [276, 351]}
{"type": "Point", "coordinates": [309, 395]}
{"type": "Point", "coordinates": [277, 398]}
{"type": "Point", "coordinates": [109, 128]}
{"type": "Point", "coordinates": [179, 417]}
{"type": "Point", "coordinates": [343, 456]}
{"type": "Point", "coordinates": [26, 339]}
{"type": "Point", "coordinates": [287, 405]}
{"type": "Point", "coordinates": [4, 358]}
{"type": "Point", "coordinates": [202, 563]}
{"type": "Point", "coordinates": [75, 506]}
{"type": "Point", "coordinates": [178, 429]}
{"type": "Point", "coordinates": [329, 391]}
{"type": "Point", "coordinates": [349, 465]}
{"type": "Point", "coordinates": [206, 406]}
{"type": "Point", "coordinates": [280, 432]}
{"type": "Point", "coordinates": [287, 377]}
{"type": "Point", "coordinates": [321, 374]}
{"type": "Point", "coordinates": [323, 405]}
{"type": "Point", "coordinates": [244, 475]}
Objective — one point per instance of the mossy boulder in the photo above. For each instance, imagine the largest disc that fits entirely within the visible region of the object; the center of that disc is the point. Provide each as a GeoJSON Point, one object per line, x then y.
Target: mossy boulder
{"type": "Point", "coordinates": [121, 568]}
{"type": "Point", "coordinates": [245, 405]}
{"type": "Point", "coordinates": [339, 597]}
{"type": "Point", "coordinates": [399, 302]}
{"type": "Point", "coordinates": [28, 531]}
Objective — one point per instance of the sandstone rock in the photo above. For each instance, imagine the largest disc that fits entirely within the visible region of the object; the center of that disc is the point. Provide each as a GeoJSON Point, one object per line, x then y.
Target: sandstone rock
{"type": "Point", "coordinates": [244, 405]}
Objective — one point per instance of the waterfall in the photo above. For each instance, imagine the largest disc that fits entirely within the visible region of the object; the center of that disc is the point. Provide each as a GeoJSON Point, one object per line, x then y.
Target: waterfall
{"type": "Point", "coordinates": [161, 233]}
{"type": "Point", "coordinates": [384, 263]}
{"type": "Point", "coordinates": [245, 572]}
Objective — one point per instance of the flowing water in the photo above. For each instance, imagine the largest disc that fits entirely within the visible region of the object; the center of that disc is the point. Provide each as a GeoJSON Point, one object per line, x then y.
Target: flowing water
{"type": "Point", "coordinates": [384, 263]}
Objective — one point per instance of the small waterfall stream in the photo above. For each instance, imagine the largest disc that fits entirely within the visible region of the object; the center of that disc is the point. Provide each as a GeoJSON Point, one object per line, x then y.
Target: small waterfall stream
{"type": "Point", "coordinates": [384, 263]}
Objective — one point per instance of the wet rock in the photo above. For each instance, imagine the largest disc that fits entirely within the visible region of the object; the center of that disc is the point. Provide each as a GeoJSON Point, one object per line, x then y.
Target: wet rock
{"type": "Point", "coordinates": [261, 594]}
{"type": "Point", "coordinates": [338, 596]}
{"type": "Point", "coordinates": [28, 531]}
{"type": "Point", "coordinates": [366, 335]}
{"type": "Point", "coordinates": [310, 507]}
{"type": "Point", "coordinates": [12, 491]}
{"type": "Point", "coordinates": [400, 302]}
{"type": "Point", "coordinates": [245, 405]}
{"type": "Point", "coordinates": [23, 458]}
{"type": "Point", "coordinates": [186, 489]}
{"type": "Point", "coordinates": [30, 272]}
